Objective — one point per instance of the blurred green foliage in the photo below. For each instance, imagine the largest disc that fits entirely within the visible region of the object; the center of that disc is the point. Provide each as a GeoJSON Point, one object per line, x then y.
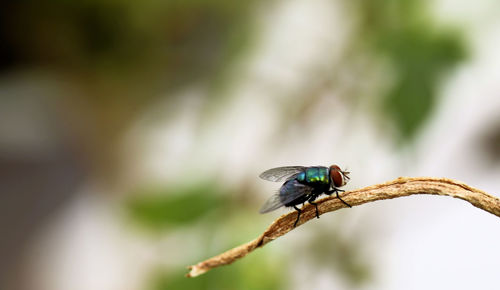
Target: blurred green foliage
{"type": "Point", "coordinates": [160, 208]}
{"type": "Point", "coordinates": [419, 60]}
{"type": "Point", "coordinates": [257, 272]}
{"type": "Point", "coordinates": [116, 58]}
{"type": "Point", "coordinates": [157, 45]}
{"type": "Point", "coordinates": [123, 54]}
{"type": "Point", "coordinates": [419, 53]}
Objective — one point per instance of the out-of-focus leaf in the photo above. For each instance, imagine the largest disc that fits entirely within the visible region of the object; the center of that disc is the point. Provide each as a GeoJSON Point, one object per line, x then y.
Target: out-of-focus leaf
{"type": "Point", "coordinates": [419, 59]}
{"type": "Point", "coordinates": [255, 272]}
{"type": "Point", "coordinates": [163, 207]}
{"type": "Point", "coordinates": [417, 50]}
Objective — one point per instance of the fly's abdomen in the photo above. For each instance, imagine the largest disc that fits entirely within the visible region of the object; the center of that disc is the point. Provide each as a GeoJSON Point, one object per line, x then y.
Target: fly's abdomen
{"type": "Point", "coordinates": [293, 192]}
{"type": "Point", "coordinates": [287, 188]}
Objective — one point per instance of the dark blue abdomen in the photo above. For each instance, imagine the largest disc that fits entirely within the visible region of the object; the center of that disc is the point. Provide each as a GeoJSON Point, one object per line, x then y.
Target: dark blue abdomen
{"type": "Point", "coordinates": [293, 188]}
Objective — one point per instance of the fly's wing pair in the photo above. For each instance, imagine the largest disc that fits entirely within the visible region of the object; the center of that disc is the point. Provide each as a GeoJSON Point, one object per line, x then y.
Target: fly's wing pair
{"type": "Point", "coordinates": [281, 173]}
{"type": "Point", "coordinates": [289, 192]}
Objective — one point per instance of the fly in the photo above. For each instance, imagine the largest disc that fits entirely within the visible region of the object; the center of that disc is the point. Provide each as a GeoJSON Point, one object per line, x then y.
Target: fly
{"type": "Point", "coordinates": [303, 184]}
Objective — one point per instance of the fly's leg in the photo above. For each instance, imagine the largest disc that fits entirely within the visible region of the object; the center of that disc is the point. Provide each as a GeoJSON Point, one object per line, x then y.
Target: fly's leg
{"type": "Point", "coordinates": [315, 204]}
{"type": "Point", "coordinates": [336, 190]}
{"type": "Point", "coordinates": [342, 199]}
{"type": "Point", "coordinates": [298, 215]}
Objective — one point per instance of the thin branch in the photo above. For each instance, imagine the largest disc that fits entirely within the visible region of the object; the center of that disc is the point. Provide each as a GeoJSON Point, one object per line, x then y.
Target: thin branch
{"type": "Point", "coordinates": [400, 187]}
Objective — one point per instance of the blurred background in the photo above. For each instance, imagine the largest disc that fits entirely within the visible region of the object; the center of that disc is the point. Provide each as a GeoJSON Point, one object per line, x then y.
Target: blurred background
{"type": "Point", "coordinates": [132, 134]}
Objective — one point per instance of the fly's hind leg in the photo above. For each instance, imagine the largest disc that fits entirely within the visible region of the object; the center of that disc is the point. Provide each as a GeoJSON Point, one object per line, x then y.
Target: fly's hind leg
{"type": "Point", "coordinates": [298, 215]}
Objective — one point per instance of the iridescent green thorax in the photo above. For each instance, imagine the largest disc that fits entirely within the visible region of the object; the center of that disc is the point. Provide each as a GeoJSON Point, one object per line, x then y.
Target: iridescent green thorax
{"type": "Point", "coordinates": [314, 175]}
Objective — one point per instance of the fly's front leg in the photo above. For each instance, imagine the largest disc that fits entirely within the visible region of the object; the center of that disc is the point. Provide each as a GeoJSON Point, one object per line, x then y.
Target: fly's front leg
{"type": "Point", "coordinates": [336, 190]}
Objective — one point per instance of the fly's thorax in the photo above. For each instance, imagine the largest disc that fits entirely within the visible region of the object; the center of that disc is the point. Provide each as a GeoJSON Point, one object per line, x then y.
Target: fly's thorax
{"type": "Point", "coordinates": [316, 175]}
{"type": "Point", "coordinates": [301, 177]}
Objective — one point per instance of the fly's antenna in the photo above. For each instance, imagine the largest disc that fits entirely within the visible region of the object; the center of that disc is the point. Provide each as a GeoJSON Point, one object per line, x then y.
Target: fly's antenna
{"type": "Point", "coordinates": [346, 173]}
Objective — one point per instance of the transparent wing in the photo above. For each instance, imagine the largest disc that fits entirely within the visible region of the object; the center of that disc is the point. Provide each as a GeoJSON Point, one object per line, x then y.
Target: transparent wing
{"type": "Point", "coordinates": [289, 192]}
{"type": "Point", "coordinates": [274, 202]}
{"type": "Point", "coordinates": [281, 173]}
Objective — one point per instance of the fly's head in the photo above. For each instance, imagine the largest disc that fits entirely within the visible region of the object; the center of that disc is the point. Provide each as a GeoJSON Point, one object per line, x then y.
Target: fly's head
{"type": "Point", "coordinates": [338, 178]}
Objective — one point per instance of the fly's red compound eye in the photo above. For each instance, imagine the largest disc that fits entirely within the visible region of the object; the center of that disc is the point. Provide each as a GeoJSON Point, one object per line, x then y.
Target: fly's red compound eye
{"type": "Point", "coordinates": [336, 176]}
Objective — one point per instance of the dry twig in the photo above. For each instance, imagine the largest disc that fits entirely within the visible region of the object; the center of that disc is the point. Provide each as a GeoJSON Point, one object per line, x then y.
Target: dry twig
{"type": "Point", "coordinates": [402, 186]}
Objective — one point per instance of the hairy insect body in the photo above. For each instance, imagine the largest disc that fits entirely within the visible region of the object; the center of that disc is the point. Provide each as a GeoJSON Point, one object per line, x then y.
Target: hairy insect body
{"type": "Point", "coordinates": [303, 184]}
